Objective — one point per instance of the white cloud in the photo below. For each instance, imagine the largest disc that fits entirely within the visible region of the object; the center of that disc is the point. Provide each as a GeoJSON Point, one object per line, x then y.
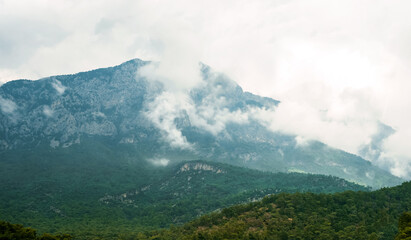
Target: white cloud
{"type": "Point", "coordinates": [301, 141]}
{"type": "Point", "coordinates": [396, 154]}
{"type": "Point", "coordinates": [7, 106]}
{"type": "Point", "coordinates": [163, 111]}
{"type": "Point", "coordinates": [214, 118]}
{"type": "Point", "coordinates": [60, 88]}
{"type": "Point", "coordinates": [6, 75]}
{"type": "Point", "coordinates": [47, 111]}
{"type": "Point", "coordinates": [211, 114]}
{"type": "Point", "coordinates": [175, 76]}
{"type": "Point", "coordinates": [159, 161]}
{"type": "Point", "coordinates": [339, 66]}
{"type": "Point", "coordinates": [308, 122]}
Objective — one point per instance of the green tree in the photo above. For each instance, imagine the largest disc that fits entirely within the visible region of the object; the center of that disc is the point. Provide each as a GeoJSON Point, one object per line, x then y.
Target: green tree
{"type": "Point", "coordinates": [404, 227]}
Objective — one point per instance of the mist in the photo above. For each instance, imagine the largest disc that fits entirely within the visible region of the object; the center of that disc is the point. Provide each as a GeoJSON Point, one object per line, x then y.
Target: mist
{"type": "Point", "coordinates": [340, 69]}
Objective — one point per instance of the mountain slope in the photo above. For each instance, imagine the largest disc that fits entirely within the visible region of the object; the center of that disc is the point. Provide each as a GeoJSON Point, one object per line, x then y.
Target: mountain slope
{"type": "Point", "coordinates": [80, 190]}
{"type": "Point", "coordinates": [347, 215]}
{"type": "Point", "coordinates": [214, 121]}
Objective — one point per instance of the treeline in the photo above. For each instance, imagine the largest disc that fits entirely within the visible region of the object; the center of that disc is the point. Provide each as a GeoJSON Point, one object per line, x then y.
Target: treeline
{"type": "Point", "coordinates": [348, 215]}
{"type": "Point", "coordinates": [10, 231]}
{"type": "Point", "coordinates": [91, 198]}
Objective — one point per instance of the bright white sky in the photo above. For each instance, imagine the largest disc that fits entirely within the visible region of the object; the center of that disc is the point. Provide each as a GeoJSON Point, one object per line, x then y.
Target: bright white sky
{"type": "Point", "coordinates": [339, 67]}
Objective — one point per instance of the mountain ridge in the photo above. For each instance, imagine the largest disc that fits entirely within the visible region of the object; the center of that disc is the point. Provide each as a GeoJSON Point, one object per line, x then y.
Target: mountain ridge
{"type": "Point", "coordinates": [126, 108]}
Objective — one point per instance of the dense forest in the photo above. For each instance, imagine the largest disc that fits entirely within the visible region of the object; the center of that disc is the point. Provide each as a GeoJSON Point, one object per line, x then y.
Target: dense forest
{"type": "Point", "coordinates": [10, 231]}
{"type": "Point", "coordinates": [347, 215]}
{"type": "Point", "coordinates": [404, 227]}
{"type": "Point", "coordinates": [89, 195]}
{"type": "Point", "coordinates": [263, 220]}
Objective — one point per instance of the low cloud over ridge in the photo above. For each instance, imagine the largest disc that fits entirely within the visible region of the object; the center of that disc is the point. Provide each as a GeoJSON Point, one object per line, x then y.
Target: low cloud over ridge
{"type": "Point", "coordinates": [339, 67]}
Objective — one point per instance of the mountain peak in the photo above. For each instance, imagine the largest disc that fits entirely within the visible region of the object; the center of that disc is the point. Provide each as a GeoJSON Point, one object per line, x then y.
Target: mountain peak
{"type": "Point", "coordinates": [215, 120]}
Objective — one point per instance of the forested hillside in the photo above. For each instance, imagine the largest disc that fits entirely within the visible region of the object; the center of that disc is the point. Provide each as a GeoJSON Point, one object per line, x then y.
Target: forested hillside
{"type": "Point", "coordinates": [347, 215]}
{"type": "Point", "coordinates": [404, 227]}
{"type": "Point", "coordinates": [9, 231]}
{"type": "Point", "coordinates": [90, 195]}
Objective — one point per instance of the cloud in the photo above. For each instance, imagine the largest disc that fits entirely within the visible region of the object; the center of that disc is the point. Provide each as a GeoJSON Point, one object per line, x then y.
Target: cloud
{"type": "Point", "coordinates": [214, 118]}
{"type": "Point", "coordinates": [7, 106]}
{"type": "Point", "coordinates": [395, 154]}
{"type": "Point", "coordinates": [159, 161]}
{"type": "Point", "coordinates": [342, 66]}
{"type": "Point", "coordinates": [301, 141]}
{"type": "Point", "coordinates": [163, 112]}
{"type": "Point", "coordinates": [60, 88]}
{"type": "Point", "coordinates": [211, 114]}
{"type": "Point", "coordinates": [175, 76]}
{"type": "Point", "coordinates": [47, 111]}
{"type": "Point", "coordinates": [6, 75]}
{"type": "Point", "coordinates": [14, 45]}
{"type": "Point", "coordinates": [373, 150]}
{"type": "Point", "coordinates": [327, 126]}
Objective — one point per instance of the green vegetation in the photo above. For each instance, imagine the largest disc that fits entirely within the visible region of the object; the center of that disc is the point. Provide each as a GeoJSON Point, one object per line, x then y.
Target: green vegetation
{"type": "Point", "coordinates": [347, 215]}
{"type": "Point", "coordinates": [404, 227]}
{"type": "Point", "coordinates": [10, 231]}
{"type": "Point", "coordinates": [92, 190]}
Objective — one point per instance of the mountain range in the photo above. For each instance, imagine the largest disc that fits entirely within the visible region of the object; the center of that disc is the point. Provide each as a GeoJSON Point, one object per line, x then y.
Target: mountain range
{"type": "Point", "coordinates": [120, 108]}
{"type": "Point", "coordinates": [114, 152]}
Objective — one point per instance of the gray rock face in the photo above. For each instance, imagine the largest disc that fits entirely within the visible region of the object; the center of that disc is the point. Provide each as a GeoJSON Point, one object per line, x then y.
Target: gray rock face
{"type": "Point", "coordinates": [104, 102]}
{"type": "Point", "coordinates": [213, 121]}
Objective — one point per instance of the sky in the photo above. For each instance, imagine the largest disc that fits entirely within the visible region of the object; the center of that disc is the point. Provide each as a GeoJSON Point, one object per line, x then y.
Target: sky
{"type": "Point", "coordinates": [339, 68]}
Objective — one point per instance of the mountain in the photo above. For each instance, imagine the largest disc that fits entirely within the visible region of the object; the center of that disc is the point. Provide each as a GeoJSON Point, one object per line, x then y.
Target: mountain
{"type": "Point", "coordinates": [90, 190]}
{"type": "Point", "coordinates": [216, 121]}
{"type": "Point", "coordinates": [347, 215]}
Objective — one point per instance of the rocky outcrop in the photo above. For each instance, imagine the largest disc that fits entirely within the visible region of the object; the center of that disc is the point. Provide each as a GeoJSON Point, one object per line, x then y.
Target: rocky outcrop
{"type": "Point", "coordinates": [200, 167]}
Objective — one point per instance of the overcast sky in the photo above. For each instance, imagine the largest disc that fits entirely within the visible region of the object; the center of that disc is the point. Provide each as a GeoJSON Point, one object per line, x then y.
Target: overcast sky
{"type": "Point", "coordinates": [340, 68]}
